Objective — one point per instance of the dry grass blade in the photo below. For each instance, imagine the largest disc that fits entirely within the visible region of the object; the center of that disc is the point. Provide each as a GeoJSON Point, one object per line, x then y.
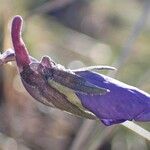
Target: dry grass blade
{"type": "Point", "coordinates": [137, 129]}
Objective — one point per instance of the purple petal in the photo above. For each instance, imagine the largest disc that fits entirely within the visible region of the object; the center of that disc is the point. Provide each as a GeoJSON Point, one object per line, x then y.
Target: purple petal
{"type": "Point", "coordinates": [122, 103]}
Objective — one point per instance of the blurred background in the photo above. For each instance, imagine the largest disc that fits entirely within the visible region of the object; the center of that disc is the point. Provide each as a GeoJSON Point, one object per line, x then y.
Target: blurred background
{"type": "Point", "coordinates": [75, 33]}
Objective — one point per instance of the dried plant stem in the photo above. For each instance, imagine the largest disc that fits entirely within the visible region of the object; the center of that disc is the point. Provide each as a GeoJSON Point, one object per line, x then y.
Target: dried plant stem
{"type": "Point", "coordinates": [49, 6]}
{"type": "Point", "coordinates": [137, 129]}
{"type": "Point", "coordinates": [82, 135]}
{"type": "Point", "coordinates": [135, 32]}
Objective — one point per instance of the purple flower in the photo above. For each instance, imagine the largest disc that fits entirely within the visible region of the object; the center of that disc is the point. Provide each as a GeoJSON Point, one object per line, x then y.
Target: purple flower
{"type": "Point", "coordinates": [81, 92]}
{"type": "Point", "coordinates": [122, 103]}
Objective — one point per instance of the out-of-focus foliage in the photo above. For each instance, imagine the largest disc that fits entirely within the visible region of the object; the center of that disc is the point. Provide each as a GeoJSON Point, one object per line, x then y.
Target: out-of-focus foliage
{"type": "Point", "coordinates": [74, 33]}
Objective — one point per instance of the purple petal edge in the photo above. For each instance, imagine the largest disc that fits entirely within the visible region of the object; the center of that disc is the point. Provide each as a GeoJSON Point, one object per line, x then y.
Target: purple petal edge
{"type": "Point", "coordinates": [122, 103]}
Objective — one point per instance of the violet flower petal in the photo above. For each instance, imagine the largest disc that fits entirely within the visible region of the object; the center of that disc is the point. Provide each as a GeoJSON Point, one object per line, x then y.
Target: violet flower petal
{"type": "Point", "coordinates": [122, 103]}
